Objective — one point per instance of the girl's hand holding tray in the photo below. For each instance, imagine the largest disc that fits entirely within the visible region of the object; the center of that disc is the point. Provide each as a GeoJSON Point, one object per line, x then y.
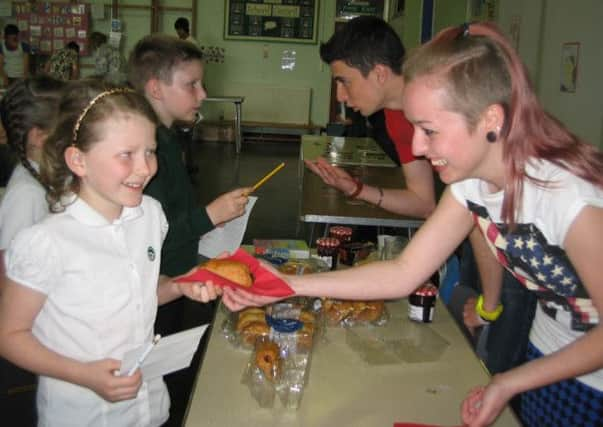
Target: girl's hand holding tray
{"type": "Point", "coordinates": [264, 283]}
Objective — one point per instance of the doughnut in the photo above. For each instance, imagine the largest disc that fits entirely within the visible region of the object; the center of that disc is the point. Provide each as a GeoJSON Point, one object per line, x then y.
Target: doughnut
{"type": "Point", "coordinates": [267, 358]}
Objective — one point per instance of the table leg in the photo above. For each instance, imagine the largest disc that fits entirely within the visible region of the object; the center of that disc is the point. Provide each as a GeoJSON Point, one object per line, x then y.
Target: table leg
{"type": "Point", "coordinates": [238, 132]}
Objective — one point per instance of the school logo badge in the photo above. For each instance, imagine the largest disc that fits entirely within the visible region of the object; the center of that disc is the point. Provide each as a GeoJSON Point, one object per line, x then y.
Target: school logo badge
{"type": "Point", "coordinates": [151, 253]}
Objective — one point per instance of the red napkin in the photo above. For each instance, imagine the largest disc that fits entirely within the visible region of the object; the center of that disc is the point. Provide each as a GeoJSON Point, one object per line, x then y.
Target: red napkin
{"type": "Point", "coordinates": [264, 283]}
{"type": "Point", "coordinates": [415, 425]}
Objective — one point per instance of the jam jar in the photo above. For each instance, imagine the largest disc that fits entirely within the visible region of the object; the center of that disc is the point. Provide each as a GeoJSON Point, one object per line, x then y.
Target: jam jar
{"type": "Point", "coordinates": [421, 303]}
{"type": "Point", "coordinates": [327, 249]}
{"type": "Point", "coordinates": [343, 234]}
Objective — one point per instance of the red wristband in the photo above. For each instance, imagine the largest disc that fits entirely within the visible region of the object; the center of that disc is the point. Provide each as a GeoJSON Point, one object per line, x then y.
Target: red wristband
{"type": "Point", "coordinates": [356, 192]}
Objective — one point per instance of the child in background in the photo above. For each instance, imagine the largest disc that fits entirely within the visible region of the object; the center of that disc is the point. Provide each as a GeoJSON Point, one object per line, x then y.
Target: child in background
{"type": "Point", "coordinates": [14, 57]}
{"type": "Point", "coordinates": [64, 64]}
{"type": "Point", "coordinates": [169, 72]}
{"type": "Point", "coordinates": [83, 285]}
{"type": "Point", "coordinates": [28, 111]}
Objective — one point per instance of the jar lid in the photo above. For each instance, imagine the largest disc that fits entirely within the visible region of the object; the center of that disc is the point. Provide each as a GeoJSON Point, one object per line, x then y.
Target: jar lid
{"type": "Point", "coordinates": [426, 290]}
{"type": "Point", "coordinates": [341, 230]}
{"type": "Point", "coordinates": [329, 242]}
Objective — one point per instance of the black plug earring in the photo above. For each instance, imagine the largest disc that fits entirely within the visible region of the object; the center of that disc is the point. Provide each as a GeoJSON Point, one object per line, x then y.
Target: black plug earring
{"type": "Point", "coordinates": [491, 136]}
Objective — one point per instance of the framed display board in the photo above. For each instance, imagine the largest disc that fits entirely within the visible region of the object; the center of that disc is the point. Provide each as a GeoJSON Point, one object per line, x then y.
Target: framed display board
{"type": "Point", "coordinates": [293, 21]}
{"type": "Point", "coordinates": [48, 27]}
{"type": "Point", "coordinates": [348, 9]}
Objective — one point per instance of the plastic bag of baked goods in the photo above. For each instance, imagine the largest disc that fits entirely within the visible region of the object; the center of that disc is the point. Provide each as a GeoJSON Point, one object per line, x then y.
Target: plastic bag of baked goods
{"type": "Point", "coordinates": [303, 266]}
{"type": "Point", "coordinates": [263, 371]}
{"type": "Point", "coordinates": [249, 325]}
{"type": "Point", "coordinates": [292, 325]}
{"type": "Point", "coordinates": [243, 328]}
{"type": "Point", "coordinates": [279, 364]}
{"type": "Point", "coordinates": [354, 313]}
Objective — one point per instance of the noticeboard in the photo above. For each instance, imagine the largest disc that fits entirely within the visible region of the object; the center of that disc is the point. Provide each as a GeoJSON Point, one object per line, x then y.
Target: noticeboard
{"type": "Point", "coordinates": [348, 9]}
{"type": "Point", "coordinates": [48, 27]}
{"type": "Point", "coordinates": [293, 21]}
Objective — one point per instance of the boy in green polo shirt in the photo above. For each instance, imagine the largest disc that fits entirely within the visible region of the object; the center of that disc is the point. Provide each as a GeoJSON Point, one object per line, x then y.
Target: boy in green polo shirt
{"type": "Point", "coordinates": [169, 72]}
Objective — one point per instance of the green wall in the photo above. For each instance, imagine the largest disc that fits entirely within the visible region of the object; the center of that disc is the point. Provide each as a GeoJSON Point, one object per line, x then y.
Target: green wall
{"type": "Point", "coordinates": [257, 64]}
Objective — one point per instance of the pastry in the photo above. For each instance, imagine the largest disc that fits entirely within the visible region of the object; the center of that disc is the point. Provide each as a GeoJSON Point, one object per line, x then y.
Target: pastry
{"type": "Point", "coordinates": [369, 311]}
{"type": "Point", "coordinates": [235, 271]}
{"type": "Point", "coordinates": [306, 317]}
{"type": "Point", "coordinates": [254, 330]}
{"type": "Point", "coordinates": [246, 319]}
{"type": "Point", "coordinates": [267, 358]}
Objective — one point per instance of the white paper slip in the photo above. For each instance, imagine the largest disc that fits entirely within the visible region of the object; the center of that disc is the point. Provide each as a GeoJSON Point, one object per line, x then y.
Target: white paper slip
{"type": "Point", "coordinates": [227, 238]}
{"type": "Point", "coordinates": [170, 354]}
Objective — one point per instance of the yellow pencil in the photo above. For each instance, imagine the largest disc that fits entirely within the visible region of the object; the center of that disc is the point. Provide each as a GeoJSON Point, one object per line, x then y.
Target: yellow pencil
{"type": "Point", "coordinates": [267, 177]}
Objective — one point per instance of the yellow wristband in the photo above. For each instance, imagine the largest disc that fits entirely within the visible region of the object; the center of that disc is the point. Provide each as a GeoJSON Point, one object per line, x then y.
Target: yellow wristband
{"type": "Point", "coordinates": [489, 316]}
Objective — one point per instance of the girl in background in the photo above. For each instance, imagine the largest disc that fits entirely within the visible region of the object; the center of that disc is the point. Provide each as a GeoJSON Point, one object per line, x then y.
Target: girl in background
{"type": "Point", "coordinates": [83, 285]}
{"type": "Point", "coordinates": [28, 111]}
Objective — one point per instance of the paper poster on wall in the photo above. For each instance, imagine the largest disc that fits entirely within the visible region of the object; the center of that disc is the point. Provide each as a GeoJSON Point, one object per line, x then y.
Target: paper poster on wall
{"type": "Point", "coordinates": [48, 27]}
{"type": "Point", "coordinates": [483, 10]}
{"type": "Point", "coordinates": [569, 66]}
{"type": "Point", "coordinates": [293, 21]}
{"type": "Point", "coordinates": [349, 9]}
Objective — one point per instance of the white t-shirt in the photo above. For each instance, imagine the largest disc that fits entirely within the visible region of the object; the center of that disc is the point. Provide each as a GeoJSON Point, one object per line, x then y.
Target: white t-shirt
{"type": "Point", "coordinates": [534, 251]}
{"type": "Point", "coordinates": [14, 66]}
{"type": "Point", "coordinates": [100, 280]}
{"type": "Point", "coordinates": [23, 204]}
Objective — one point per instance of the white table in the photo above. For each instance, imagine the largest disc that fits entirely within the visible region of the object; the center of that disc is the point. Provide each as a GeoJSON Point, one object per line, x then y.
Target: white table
{"type": "Point", "coordinates": [344, 390]}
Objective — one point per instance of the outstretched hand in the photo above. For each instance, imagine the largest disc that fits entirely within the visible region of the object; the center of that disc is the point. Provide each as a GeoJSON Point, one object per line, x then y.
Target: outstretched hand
{"type": "Point", "coordinates": [99, 376]}
{"type": "Point", "coordinates": [332, 175]}
{"type": "Point", "coordinates": [484, 404]}
{"type": "Point", "coordinates": [238, 299]}
{"type": "Point", "coordinates": [228, 206]}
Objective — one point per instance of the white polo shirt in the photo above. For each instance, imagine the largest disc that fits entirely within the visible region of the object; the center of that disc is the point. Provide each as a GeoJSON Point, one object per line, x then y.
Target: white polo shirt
{"type": "Point", "coordinates": [100, 279]}
{"type": "Point", "coordinates": [23, 204]}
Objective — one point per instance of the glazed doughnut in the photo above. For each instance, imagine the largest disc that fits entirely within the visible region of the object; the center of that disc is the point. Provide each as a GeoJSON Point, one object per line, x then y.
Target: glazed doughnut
{"type": "Point", "coordinates": [267, 357]}
{"type": "Point", "coordinates": [234, 271]}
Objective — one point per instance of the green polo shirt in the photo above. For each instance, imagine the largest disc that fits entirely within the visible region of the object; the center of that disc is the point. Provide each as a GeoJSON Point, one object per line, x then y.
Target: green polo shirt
{"type": "Point", "coordinates": [171, 186]}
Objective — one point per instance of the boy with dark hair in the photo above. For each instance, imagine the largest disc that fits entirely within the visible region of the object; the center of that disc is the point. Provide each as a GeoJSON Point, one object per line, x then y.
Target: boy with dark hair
{"type": "Point", "coordinates": [363, 43]}
{"type": "Point", "coordinates": [183, 30]}
{"type": "Point", "coordinates": [169, 72]}
{"type": "Point", "coordinates": [365, 57]}
{"type": "Point", "coordinates": [14, 56]}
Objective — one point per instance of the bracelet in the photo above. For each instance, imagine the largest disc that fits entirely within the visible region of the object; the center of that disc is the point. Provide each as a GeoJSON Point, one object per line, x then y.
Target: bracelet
{"type": "Point", "coordinates": [380, 197]}
{"type": "Point", "coordinates": [488, 316]}
{"type": "Point", "coordinates": [356, 192]}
